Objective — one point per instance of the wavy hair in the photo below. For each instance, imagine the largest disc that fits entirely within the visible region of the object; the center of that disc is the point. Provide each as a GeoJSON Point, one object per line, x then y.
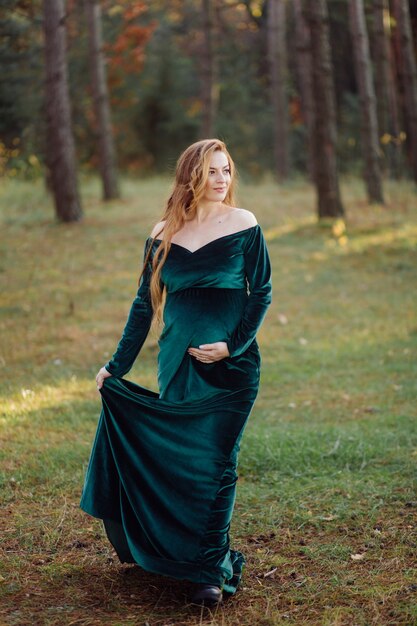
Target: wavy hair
{"type": "Point", "coordinates": [191, 176]}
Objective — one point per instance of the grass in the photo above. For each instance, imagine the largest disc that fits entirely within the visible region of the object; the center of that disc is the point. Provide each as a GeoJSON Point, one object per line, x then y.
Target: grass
{"type": "Point", "coordinates": [326, 508]}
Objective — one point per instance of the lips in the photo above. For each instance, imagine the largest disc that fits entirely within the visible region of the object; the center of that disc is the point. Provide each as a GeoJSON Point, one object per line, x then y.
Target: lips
{"type": "Point", "coordinates": [220, 189]}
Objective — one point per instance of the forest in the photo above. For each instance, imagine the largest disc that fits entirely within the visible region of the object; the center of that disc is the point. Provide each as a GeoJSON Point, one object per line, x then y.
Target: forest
{"type": "Point", "coordinates": [312, 89]}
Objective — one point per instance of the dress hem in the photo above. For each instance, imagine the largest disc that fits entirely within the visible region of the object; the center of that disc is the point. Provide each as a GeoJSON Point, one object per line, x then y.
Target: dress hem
{"type": "Point", "coordinates": [183, 570]}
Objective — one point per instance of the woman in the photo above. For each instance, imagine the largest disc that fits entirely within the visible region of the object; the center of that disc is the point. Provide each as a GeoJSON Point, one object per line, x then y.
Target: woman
{"type": "Point", "coordinates": [162, 472]}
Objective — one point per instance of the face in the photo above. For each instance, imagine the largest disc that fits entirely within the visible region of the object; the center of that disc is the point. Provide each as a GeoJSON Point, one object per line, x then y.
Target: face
{"type": "Point", "coordinates": [218, 180]}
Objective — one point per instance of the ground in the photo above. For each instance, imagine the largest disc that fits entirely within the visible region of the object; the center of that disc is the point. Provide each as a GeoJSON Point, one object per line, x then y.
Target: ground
{"type": "Point", "coordinates": [326, 506]}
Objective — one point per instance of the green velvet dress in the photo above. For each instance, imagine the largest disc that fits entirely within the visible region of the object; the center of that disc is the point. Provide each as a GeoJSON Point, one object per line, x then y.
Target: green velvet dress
{"type": "Point", "coordinates": [162, 471]}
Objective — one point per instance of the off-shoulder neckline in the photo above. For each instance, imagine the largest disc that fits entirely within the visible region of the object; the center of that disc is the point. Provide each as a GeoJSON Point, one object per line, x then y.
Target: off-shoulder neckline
{"type": "Point", "coordinates": [177, 245]}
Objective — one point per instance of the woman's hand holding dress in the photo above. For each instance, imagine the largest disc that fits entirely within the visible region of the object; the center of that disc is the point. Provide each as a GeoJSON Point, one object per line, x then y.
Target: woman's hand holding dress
{"type": "Point", "coordinates": [102, 374]}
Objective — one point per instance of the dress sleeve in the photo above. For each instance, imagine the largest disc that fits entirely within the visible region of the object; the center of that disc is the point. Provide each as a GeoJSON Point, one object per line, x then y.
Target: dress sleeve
{"type": "Point", "coordinates": [137, 326]}
{"type": "Point", "coordinates": [258, 275]}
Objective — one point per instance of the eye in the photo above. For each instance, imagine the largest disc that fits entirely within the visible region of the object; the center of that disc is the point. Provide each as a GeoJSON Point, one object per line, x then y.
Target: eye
{"type": "Point", "coordinates": [225, 171]}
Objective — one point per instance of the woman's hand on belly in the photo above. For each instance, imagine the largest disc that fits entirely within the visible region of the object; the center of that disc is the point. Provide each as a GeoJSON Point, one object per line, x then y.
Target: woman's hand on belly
{"type": "Point", "coordinates": [210, 352]}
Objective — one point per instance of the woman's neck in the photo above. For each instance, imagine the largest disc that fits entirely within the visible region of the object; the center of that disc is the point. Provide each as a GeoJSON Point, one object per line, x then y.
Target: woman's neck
{"type": "Point", "coordinates": [207, 210]}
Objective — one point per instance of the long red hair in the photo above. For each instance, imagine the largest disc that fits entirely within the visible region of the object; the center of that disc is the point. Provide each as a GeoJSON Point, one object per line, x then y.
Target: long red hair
{"type": "Point", "coordinates": [191, 176]}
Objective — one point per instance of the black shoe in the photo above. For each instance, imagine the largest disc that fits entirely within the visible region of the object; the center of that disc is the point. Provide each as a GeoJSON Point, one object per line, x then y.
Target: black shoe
{"type": "Point", "coordinates": [208, 595]}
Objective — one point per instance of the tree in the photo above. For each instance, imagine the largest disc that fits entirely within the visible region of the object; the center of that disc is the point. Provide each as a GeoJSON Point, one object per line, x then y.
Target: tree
{"type": "Point", "coordinates": [157, 55]}
{"type": "Point", "coordinates": [367, 102]}
{"type": "Point", "coordinates": [385, 85]}
{"type": "Point", "coordinates": [101, 101]}
{"type": "Point", "coordinates": [409, 77]}
{"type": "Point", "coordinates": [210, 87]}
{"type": "Point", "coordinates": [326, 173]}
{"type": "Point", "coordinates": [305, 77]}
{"type": "Point", "coordinates": [278, 80]}
{"type": "Point", "coordinates": [18, 48]}
{"type": "Point", "coordinates": [60, 141]}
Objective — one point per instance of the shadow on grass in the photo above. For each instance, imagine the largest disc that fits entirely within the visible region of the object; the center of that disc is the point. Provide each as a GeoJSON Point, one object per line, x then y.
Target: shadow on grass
{"type": "Point", "coordinates": [106, 593]}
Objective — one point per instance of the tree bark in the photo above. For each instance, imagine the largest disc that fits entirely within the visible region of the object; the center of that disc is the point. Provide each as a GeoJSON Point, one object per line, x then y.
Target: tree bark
{"type": "Point", "coordinates": [306, 83]}
{"type": "Point", "coordinates": [210, 87]}
{"type": "Point", "coordinates": [278, 78]}
{"type": "Point", "coordinates": [385, 88]}
{"type": "Point", "coordinates": [367, 102]}
{"type": "Point", "coordinates": [409, 78]}
{"type": "Point", "coordinates": [105, 142]}
{"type": "Point", "coordinates": [60, 140]}
{"type": "Point", "coordinates": [381, 63]}
{"type": "Point", "coordinates": [327, 181]}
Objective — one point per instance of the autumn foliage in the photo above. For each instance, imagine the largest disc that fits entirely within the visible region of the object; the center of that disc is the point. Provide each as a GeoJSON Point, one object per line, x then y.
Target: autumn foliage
{"type": "Point", "coordinates": [127, 53]}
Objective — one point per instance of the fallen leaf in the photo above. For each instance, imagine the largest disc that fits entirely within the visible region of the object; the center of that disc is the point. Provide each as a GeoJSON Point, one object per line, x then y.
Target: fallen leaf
{"type": "Point", "coordinates": [357, 557]}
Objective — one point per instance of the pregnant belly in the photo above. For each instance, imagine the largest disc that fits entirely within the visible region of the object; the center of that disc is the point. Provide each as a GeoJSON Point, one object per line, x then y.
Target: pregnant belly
{"type": "Point", "coordinates": [203, 315]}
{"type": "Point", "coordinates": [197, 316]}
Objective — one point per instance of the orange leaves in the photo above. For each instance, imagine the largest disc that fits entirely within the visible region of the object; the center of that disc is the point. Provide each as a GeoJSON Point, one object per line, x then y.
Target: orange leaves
{"type": "Point", "coordinates": [129, 48]}
{"type": "Point", "coordinates": [296, 115]}
{"type": "Point", "coordinates": [134, 9]}
{"type": "Point", "coordinates": [127, 52]}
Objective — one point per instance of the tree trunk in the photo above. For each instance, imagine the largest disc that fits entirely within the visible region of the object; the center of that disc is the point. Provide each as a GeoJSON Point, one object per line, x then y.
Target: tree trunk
{"type": "Point", "coordinates": [327, 182]}
{"type": "Point", "coordinates": [278, 78]}
{"type": "Point", "coordinates": [106, 152]}
{"type": "Point", "coordinates": [409, 75]}
{"type": "Point", "coordinates": [367, 102]}
{"type": "Point", "coordinates": [210, 91]}
{"type": "Point", "coordinates": [386, 96]}
{"type": "Point", "coordinates": [306, 82]}
{"type": "Point", "coordinates": [60, 140]}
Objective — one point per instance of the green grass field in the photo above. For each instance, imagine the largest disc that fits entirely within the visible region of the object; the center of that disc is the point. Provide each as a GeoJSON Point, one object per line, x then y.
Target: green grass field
{"type": "Point", "coordinates": [326, 507]}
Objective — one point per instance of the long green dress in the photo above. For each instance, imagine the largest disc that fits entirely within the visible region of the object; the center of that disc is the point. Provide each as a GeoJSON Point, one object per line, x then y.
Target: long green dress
{"type": "Point", "coordinates": [162, 471]}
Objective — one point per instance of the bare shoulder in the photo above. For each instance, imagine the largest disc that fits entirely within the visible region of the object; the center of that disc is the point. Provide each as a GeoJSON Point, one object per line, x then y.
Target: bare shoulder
{"type": "Point", "coordinates": [243, 219]}
{"type": "Point", "coordinates": [157, 229]}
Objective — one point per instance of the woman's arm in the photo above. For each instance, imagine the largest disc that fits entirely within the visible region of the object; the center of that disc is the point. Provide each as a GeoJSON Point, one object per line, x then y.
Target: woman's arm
{"type": "Point", "coordinates": [137, 326]}
{"type": "Point", "coordinates": [258, 273]}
